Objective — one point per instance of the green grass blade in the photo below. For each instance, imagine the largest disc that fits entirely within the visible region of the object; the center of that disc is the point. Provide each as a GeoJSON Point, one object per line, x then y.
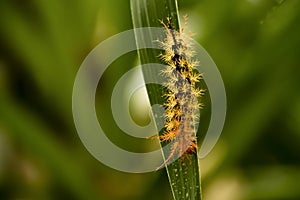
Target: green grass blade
{"type": "Point", "coordinates": [184, 175]}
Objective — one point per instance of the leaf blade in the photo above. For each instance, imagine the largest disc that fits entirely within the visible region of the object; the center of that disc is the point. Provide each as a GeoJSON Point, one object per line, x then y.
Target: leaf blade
{"type": "Point", "coordinates": [183, 174]}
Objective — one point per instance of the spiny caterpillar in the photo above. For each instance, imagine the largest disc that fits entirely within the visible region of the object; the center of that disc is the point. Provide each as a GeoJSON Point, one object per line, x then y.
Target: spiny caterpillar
{"type": "Point", "coordinates": [181, 105]}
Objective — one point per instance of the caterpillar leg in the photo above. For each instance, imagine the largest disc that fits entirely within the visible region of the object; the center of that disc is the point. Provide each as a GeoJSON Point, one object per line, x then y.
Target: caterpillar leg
{"type": "Point", "coordinates": [180, 149]}
{"type": "Point", "coordinates": [165, 137]}
{"type": "Point", "coordinates": [173, 151]}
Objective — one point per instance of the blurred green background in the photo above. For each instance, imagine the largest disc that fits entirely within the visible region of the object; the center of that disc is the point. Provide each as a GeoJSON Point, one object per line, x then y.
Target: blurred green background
{"type": "Point", "coordinates": [255, 44]}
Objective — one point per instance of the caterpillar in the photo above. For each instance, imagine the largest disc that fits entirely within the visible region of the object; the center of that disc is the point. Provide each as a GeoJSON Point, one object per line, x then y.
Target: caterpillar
{"type": "Point", "coordinates": [181, 104]}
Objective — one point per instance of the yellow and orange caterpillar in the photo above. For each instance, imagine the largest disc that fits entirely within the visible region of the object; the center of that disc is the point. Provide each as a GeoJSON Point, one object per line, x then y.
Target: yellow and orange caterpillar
{"type": "Point", "coordinates": [181, 106]}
